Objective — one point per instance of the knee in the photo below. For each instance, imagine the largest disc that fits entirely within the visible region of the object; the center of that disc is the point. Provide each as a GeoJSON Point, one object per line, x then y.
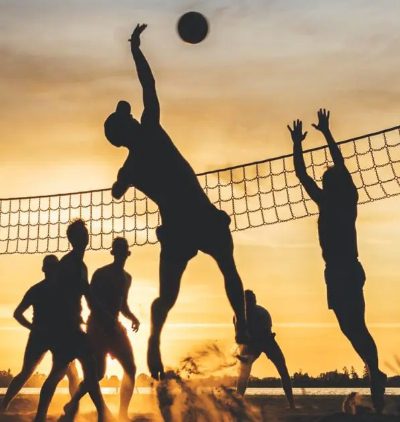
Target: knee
{"type": "Point", "coordinates": [162, 304]}
{"type": "Point", "coordinates": [131, 373]}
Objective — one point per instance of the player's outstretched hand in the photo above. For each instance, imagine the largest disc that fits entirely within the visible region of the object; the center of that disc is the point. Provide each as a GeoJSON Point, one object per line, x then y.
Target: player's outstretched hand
{"type": "Point", "coordinates": [135, 37]}
{"type": "Point", "coordinates": [135, 325]}
{"type": "Point", "coordinates": [323, 120]}
{"type": "Point", "coordinates": [297, 132]}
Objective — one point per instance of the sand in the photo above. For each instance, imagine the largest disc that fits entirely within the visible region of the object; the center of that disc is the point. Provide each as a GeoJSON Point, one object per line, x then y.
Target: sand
{"type": "Point", "coordinates": [272, 409]}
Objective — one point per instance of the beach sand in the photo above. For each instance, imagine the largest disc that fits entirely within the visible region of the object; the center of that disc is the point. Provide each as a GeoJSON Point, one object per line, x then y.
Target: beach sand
{"type": "Point", "coordinates": [272, 409]}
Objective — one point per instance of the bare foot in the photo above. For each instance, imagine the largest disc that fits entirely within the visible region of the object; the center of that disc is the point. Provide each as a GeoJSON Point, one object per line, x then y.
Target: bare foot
{"type": "Point", "coordinates": [154, 361]}
{"type": "Point", "coordinates": [378, 385]}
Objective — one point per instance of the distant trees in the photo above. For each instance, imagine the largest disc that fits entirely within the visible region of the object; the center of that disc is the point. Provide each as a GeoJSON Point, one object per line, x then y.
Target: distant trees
{"type": "Point", "coordinates": [5, 378]}
{"type": "Point", "coordinates": [300, 379]}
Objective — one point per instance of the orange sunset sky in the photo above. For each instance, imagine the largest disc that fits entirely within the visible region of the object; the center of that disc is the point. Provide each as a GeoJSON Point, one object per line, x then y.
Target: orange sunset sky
{"type": "Point", "coordinates": [65, 64]}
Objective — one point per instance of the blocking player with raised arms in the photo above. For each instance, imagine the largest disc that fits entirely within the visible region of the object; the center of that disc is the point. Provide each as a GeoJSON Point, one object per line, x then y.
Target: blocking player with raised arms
{"type": "Point", "coordinates": [189, 221]}
{"type": "Point", "coordinates": [344, 274]}
{"type": "Point", "coordinates": [41, 298]}
{"type": "Point", "coordinates": [110, 287]}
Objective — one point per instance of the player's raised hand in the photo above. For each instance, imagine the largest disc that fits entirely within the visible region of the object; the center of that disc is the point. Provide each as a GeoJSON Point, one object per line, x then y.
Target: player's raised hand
{"type": "Point", "coordinates": [323, 120]}
{"type": "Point", "coordinates": [297, 132]}
{"type": "Point", "coordinates": [135, 37]}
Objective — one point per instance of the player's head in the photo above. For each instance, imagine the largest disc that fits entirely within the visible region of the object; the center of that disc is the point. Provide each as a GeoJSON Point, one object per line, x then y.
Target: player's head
{"type": "Point", "coordinates": [120, 127]}
{"type": "Point", "coordinates": [78, 234]}
{"type": "Point", "coordinates": [120, 249]}
{"type": "Point", "coordinates": [250, 298]}
{"type": "Point", "coordinates": [50, 265]}
{"type": "Point", "coordinates": [334, 181]}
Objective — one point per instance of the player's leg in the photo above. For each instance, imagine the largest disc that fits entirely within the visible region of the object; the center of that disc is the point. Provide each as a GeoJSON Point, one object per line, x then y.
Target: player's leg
{"type": "Point", "coordinates": [351, 317]}
{"type": "Point", "coordinates": [72, 407]}
{"type": "Point", "coordinates": [91, 382]}
{"type": "Point", "coordinates": [220, 247]}
{"type": "Point", "coordinates": [34, 352]}
{"type": "Point", "coordinates": [57, 373]}
{"type": "Point", "coordinates": [246, 360]}
{"type": "Point", "coordinates": [73, 378]}
{"type": "Point", "coordinates": [170, 278]}
{"type": "Point", "coordinates": [122, 351]}
{"type": "Point", "coordinates": [275, 354]}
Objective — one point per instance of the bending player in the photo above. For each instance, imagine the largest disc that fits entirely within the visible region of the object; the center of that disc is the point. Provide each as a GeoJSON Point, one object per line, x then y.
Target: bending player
{"type": "Point", "coordinates": [189, 221]}
{"type": "Point", "coordinates": [68, 341]}
{"type": "Point", "coordinates": [262, 340]}
{"type": "Point", "coordinates": [110, 287]}
{"type": "Point", "coordinates": [344, 275]}
{"type": "Point", "coordinates": [40, 297]}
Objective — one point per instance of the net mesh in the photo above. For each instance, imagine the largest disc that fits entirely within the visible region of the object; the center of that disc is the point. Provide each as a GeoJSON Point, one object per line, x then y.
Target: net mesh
{"type": "Point", "coordinates": [253, 194]}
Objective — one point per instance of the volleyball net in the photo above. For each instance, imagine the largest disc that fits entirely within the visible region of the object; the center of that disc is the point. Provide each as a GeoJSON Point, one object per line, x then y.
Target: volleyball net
{"type": "Point", "coordinates": [253, 194]}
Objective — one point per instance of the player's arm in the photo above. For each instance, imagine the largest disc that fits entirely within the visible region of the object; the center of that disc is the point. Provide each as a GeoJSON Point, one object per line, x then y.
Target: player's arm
{"type": "Point", "coordinates": [21, 308]}
{"type": "Point", "coordinates": [323, 127]}
{"type": "Point", "coordinates": [308, 182]}
{"type": "Point", "coordinates": [126, 311]}
{"type": "Point", "coordinates": [120, 187]}
{"type": "Point", "coordinates": [151, 112]}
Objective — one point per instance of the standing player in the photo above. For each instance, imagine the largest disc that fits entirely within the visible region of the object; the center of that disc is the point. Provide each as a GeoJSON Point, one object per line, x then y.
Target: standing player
{"type": "Point", "coordinates": [262, 340]}
{"type": "Point", "coordinates": [68, 341]}
{"type": "Point", "coordinates": [110, 287]}
{"type": "Point", "coordinates": [41, 298]}
{"type": "Point", "coordinates": [344, 275]}
{"type": "Point", "coordinates": [189, 221]}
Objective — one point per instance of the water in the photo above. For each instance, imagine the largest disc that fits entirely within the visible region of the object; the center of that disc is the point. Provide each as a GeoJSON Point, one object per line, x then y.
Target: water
{"type": "Point", "coordinates": [326, 391]}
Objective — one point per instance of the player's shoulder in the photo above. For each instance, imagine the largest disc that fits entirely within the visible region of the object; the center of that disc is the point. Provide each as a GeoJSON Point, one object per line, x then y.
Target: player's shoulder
{"type": "Point", "coordinates": [36, 288]}
{"type": "Point", "coordinates": [128, 277]}
{"type": "Point", "coordinates": [103, 271]}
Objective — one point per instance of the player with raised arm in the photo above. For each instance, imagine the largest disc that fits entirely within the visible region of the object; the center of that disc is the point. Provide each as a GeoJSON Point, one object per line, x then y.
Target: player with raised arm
{"type": "Point", "coordinates": [110, 287]}
{"type": "Point", "coordinates": [344, 274]}
{"type": "Point", "coordinates": [190, 222]}
{"type": "Point", "coordinates": [41, 298]}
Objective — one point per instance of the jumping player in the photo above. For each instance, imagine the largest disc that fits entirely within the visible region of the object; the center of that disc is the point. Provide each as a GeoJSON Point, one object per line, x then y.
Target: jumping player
{"type": "Point", "coordinates": [344, 275]}
{"type": "Point", "coordinates": [189, 221]}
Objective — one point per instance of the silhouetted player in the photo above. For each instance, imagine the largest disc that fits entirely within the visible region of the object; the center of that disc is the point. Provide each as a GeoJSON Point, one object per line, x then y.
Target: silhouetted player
{"type": "Point", "coordinates": [189, 221]}
{"type": "Point", "coordinates": [344, 275]}
{"type": "Point", "coordinates": [41, 298]}
{"type": "Point", "coordinates": [262, 340]}
{"type": "Point", "coordinates": [68, 341]}
{"type": "Point", "coordinates": [110, 287]}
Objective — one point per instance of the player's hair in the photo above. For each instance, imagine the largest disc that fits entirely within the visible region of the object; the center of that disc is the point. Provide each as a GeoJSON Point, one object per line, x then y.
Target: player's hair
{"type": "Point", "coordinates": [119, 244]}
{"type": "Point", "coordinates": [117, 123]}
{"type": "Point", "coordinates": [50, 261]}
{"type": "Point", "coordinates": [75, 229]}
{"type": "Point", "coordinates": [250, 296]}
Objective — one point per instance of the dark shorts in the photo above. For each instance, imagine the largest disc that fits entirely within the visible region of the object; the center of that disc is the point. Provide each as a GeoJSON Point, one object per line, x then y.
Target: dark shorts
{"type": "Point", "coordinates": [344, 284]}
{"type": "Point", "coordinates": [70, 345]}
{"type": "Point", "coordinates": [113, 341]}
{"type": "Point", "coordinates": [209, 233]}
{"type": "Point", "coordinates": [268, 346]}
{"type": "Point", "coordinates": [38, 344]}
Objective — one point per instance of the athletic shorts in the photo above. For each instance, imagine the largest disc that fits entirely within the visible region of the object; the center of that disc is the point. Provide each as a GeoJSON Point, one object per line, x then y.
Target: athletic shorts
{"type": "Point", "coordinates": [208, 233]}
{"type": "Point", "coordinates": [38, 344]}
{"type": "Point", "coordinates": [344, 284]}
{"type": "Point", "coordinates": [255, 349]}
{"type": "Point", "coordinates": [70, 345]}
{"type": "Point", "coordinates": [113, 341]}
